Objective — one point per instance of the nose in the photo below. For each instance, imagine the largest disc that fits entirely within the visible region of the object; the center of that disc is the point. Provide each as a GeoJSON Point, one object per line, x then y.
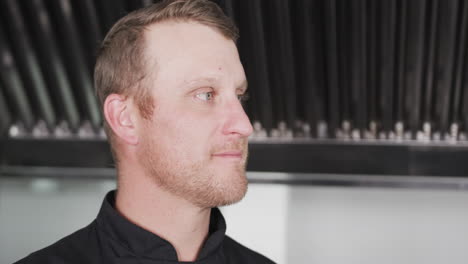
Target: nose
{"type": "Point", "coordinates": [237, 122]}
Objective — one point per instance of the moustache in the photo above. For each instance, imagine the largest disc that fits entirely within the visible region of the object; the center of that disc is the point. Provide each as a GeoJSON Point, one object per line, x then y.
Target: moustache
{"type": "Point", "coordinates": [238, 145]}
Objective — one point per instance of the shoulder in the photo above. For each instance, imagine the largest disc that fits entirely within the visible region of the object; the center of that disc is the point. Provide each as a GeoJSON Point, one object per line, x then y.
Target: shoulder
{"type": "Point", "coordinates": [241, 254]}
{"type": "Point", "coordinates": [75, 248]}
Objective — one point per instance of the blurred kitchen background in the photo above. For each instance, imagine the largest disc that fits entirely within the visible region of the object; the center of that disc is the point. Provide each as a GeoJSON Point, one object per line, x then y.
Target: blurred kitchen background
{"type": "Point", "coordinates": [360, 110]}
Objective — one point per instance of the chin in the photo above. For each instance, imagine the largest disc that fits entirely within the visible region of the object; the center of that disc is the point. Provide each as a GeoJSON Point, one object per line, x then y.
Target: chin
{"type": "Point", "coordinates": [225, 188]}
{"type": "Point", "coordinates": [234, 195]}
{"type": "Point", "coordinates": [226, 199]}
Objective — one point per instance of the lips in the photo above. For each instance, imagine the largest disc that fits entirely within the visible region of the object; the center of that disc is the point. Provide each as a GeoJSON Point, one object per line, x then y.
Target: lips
{"type": "Point", "coordinates": [228, 154]}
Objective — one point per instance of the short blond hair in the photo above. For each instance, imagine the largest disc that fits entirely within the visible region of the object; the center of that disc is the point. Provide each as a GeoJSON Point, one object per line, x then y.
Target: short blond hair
{"type": "Point", "coordinates": [120, 65]}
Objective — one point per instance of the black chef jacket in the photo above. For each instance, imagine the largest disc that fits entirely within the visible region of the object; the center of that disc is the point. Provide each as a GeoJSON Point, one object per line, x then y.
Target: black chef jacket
{"type": "Point", "coordinates": [112, 239]}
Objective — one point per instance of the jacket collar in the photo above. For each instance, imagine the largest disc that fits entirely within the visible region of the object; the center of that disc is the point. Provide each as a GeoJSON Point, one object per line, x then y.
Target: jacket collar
{"type": "Point", "coordinates": [130, 241]}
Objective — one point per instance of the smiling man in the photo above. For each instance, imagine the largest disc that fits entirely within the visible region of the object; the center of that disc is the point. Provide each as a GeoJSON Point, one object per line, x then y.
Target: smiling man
{"type": "Point", "coordinates": [171, 83]}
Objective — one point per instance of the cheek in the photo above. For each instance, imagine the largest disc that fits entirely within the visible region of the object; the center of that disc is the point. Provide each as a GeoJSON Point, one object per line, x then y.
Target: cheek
{"type": "Point", "coordinates": [185, 135]}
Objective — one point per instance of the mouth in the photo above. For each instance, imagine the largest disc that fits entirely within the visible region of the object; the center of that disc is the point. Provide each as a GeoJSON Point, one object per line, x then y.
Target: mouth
{"type": "Point", "coordinates": [232, 154]}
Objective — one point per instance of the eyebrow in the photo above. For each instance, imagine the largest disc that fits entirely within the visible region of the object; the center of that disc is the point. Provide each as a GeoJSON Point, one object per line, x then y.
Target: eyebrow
{"type": "Point", "coordinates": [191, 82]}
{"type": "Point", "coordinates": [242, 87]}
{"type": "Point", "coordinates": [202, 79]}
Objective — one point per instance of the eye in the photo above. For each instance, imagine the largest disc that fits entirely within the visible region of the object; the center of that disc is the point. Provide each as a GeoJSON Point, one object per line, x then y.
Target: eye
{"type": "Point", "coordinates": [205, 96]}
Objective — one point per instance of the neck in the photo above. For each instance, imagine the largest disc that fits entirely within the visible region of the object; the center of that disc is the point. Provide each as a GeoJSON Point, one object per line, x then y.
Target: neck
{"type": "Point", "coordinates": [172, 218]}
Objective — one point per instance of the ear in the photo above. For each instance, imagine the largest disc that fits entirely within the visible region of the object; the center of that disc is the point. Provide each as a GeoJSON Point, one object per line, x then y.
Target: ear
{"type": "Point", "coordinates": [118, 111]}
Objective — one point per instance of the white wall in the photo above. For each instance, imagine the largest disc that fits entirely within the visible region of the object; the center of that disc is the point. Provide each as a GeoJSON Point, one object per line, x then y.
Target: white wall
{"type": "Point", "coordinates": [36, 213]}
{"type": "Point", "coordinates": [260, 220]}
{"type": "Point", "coordinates": [300, 224]}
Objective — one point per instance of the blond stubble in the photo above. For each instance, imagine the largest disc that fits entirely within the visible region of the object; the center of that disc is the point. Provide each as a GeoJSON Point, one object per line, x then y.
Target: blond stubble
{"type": "Point", "coordinates": [195, 181]}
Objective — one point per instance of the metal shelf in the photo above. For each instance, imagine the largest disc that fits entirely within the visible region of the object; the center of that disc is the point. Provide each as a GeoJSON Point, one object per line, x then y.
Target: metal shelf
{"type": "Point", "coordinates": [409, 158]}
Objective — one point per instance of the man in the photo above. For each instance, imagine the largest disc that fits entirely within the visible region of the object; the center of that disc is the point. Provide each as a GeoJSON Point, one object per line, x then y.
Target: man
{"type": "Point", "coordinates": [170, 82]}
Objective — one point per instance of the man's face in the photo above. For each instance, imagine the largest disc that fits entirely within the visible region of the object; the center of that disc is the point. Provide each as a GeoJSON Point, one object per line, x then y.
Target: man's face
{"type": "Point", "coordinates": [195, 144]}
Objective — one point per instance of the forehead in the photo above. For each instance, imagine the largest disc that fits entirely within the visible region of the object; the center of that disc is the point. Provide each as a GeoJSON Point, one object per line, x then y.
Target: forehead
{"type": "Point", "coordinates": [186, 50]}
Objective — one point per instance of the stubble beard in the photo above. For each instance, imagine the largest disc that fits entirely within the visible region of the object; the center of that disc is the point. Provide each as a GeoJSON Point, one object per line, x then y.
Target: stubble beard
{"type": "Point", "coordinates": [195, 181]}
